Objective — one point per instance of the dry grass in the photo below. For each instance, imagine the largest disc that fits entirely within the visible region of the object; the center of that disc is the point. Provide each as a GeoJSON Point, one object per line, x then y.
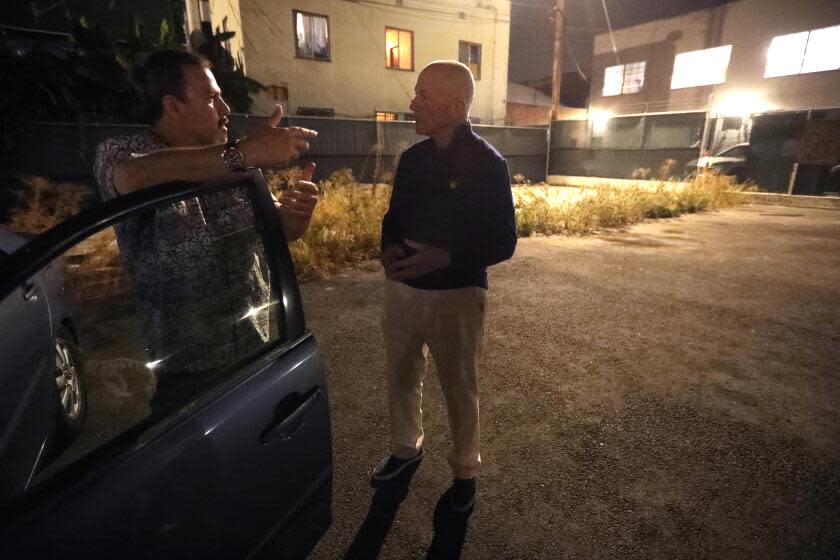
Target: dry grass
{"type": "Point", "coordinates": [43, 203]}
{"type": "Point", "coordinates": [346, 225]}
{"type": "Point", "coordinates": [545, 210]}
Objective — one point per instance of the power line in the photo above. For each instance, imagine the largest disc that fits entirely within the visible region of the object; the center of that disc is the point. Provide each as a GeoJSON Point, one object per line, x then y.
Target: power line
{"type": "Point", "coordinates": [609, 26]}
{"type": "Point", "coordinates": [448, 14]}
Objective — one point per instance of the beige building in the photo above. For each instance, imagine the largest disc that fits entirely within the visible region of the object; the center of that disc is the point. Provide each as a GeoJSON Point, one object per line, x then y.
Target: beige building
{"type": "Point", "coordinates": [745, 56]}
{"type": "Point", "coordinates": [221, 15]}
{"type": "Point", "coordinates": [362, 58]}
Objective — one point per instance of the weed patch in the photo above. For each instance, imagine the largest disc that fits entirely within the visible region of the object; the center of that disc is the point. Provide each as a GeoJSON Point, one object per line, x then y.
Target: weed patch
{"type": "Point", "coordinates": [345, 228]}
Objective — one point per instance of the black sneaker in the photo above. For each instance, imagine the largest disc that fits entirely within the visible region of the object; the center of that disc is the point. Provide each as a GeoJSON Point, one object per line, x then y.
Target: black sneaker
{"type": "Point", "coordinates": [462, 496]}
{"type": "Point", "coordinates": [390, 467]}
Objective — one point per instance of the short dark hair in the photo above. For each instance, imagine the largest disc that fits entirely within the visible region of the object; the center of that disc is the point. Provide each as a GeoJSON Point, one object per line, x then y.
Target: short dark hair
{"type": "Point", "coordinates": [163, 74]}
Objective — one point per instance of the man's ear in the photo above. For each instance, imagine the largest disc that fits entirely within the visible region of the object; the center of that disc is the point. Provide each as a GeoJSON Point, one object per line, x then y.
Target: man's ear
{"type": "Point", "coordinates": [460, 107]}
{"type": "Point", "coordinates": [171, 105]}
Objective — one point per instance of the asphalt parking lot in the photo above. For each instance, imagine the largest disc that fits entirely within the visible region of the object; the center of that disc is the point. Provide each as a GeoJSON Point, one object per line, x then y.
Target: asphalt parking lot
{"type": "Point", "coordinates": [667, 391]}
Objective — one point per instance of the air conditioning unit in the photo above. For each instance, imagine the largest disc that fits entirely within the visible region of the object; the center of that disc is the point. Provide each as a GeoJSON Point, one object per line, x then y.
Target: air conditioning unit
{"type": "Point", "coordinates": [316, 112]}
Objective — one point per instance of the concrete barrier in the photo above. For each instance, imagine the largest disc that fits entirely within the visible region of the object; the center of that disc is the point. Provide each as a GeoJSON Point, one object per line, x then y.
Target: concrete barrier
{"type": "Point", "coordinates": [794, 200]}
{"type": "Point", "coordinates": [589, 182]}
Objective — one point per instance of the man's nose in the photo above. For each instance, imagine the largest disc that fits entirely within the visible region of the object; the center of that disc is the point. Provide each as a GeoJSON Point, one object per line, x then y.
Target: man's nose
{"type": "Point", "coordinates": [413, 104]}
{"type": "Point", "coordinates": [224, 108]}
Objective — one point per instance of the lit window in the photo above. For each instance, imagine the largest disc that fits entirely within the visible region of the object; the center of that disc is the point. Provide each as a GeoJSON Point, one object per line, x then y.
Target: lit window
{"type": "Point", "coordinates": [613, 79]}
{"type": "Point", "coordinates": [624, 78]}
{"type": "Point", "coordinates": [785, 55]}
{"type": "Point", "coordinates": [312, 36]}
{"type": "Point", "coordinates": [701, 68]}
{"type": "Point", "coordinates": [634, 77]}
{"type": "Point", "coordinates": [470, 54]}
{"type": "Point", "coordinates": [399, 49]}
{"type": "Point", "coordinates": [386, 116]}
{"type": "Point", "coordinates": [800, 53]}
{"type": "Point", "coordinates": [823, 52]}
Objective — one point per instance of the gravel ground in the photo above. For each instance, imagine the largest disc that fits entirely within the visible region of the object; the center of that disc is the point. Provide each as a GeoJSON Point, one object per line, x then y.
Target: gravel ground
{"type": "Point", "coordinates": [667, 391]}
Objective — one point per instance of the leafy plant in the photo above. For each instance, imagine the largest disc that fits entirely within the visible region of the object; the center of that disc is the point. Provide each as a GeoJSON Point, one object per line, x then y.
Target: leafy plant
{"type": "Point", "coordinates": [78, 79]}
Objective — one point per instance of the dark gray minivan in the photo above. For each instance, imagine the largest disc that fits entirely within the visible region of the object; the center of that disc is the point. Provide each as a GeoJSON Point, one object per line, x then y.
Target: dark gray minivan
{"type": "Point", "coordinates": [233, 462]}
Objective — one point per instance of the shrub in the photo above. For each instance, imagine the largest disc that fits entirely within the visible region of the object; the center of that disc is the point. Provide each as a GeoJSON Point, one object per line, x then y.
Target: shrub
{"type": "Point", "coordinates": [540, 210]}
{"type": "Point", "coordinates": [346, 225]}
{"type": "Point", "coordinates": [42, 204]}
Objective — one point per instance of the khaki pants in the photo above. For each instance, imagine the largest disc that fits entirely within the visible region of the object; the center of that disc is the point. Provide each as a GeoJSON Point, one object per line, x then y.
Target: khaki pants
{"type": "Point", "coordinates": [450, 325]}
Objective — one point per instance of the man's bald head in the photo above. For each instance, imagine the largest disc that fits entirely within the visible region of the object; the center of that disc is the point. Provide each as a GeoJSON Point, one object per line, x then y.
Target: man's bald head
{"type": "Point", "coordinates": [442, 98]}
{"type": "Point", "coordinates": [456, 78]}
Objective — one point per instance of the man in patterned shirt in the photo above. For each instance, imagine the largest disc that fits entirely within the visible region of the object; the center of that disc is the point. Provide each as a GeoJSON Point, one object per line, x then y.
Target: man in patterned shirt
{"type": "Point", "coordinates": [205, 248]}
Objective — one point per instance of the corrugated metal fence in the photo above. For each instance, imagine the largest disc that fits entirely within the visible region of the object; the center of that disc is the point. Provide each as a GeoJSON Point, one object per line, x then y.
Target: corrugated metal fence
{"type": "Point", "coordinates": [369, 148]}
{"type": "Point", "coordinates": [621, 145]}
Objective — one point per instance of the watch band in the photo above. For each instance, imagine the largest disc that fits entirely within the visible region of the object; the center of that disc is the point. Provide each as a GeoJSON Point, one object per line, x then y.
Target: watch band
{"type": "Point", "coordinates": [233, 157]}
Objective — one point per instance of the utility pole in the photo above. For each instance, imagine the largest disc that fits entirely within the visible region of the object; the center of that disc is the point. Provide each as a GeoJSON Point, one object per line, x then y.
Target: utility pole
{"type": "Point", "coordinates": [558, 68]}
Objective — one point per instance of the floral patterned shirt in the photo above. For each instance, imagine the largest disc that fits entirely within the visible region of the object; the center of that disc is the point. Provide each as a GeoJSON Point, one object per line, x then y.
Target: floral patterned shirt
{"type": "Point", "coordinates": [200, 273]}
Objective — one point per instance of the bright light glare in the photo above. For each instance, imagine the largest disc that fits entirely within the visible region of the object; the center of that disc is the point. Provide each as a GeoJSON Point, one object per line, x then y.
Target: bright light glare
{"type": "Point", "coordinates": [253, 311]}
{"type": "Point", "coordinates": [741, 104]}
{"type": "Point", "coordinates": [701, 68]}
{"type": "Point", "coordinates": [599, 119]}
{"type": "Point", "coordinates": [156, 363]}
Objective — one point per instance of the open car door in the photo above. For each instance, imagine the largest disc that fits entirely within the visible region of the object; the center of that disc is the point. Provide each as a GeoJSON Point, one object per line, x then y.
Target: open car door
{"type": "Point", "coordinates": [207, 429]}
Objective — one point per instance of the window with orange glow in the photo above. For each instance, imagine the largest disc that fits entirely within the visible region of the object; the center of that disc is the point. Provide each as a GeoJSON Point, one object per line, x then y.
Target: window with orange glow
{"type": "Point", "coordinates": [399, 49]}
{"type": "Point", "coordinates": [470, 54]}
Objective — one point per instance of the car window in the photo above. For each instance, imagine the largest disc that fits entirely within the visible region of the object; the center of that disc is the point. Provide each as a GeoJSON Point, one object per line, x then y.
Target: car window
{"type": "Point", "coordinates": [147, 316]}
{"type": "Point", "coordinates": [737, 151]}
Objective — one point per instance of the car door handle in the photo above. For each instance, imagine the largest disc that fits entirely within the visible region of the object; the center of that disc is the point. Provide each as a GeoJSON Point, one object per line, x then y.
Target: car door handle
{"type": "Point", "coordinates": [30, 292]}
{"type": "Point", "coordinates": [289, 415]}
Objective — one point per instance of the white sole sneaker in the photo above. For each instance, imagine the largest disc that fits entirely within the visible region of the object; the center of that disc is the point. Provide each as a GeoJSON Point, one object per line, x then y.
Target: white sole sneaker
{"type": "Point", "coordinates": [380, 476]}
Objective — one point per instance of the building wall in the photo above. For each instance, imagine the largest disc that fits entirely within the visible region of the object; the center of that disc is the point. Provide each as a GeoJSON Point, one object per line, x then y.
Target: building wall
{"type": "Point", "coordinates": [219, 11]}
{"type": "Point", "coordinates": [519, 114]}
{"type": "Point", "coordinates": [749, 26]}
{"type": "Point", "coordinates": [355, 82]}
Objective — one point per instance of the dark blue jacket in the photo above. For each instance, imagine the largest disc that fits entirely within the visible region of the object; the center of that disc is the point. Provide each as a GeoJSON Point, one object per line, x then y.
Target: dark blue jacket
{"type": "Point", "coordinates": [458, 198]}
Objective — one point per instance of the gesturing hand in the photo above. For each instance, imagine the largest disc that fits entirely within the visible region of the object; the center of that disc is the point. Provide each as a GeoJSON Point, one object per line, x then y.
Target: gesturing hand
{"type": "Point", "coordinates": [427, 259]}
{"type": "Point", "coordinates": [273, 145]}
{"type": "Point", "coordinates": [298, 203]}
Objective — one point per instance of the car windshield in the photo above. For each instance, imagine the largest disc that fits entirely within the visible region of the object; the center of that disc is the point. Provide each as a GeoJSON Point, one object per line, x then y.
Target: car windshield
{"type": "Point", "coordinates": [736, 151]}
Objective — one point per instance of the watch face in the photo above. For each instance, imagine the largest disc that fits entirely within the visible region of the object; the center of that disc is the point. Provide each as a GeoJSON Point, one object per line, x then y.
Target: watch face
{"type": "Point", "coordinates": [234, 159]}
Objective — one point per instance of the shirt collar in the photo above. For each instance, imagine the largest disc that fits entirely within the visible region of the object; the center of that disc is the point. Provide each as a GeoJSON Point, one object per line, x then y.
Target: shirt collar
{"type": "Point", "coordinates": [463, 132]}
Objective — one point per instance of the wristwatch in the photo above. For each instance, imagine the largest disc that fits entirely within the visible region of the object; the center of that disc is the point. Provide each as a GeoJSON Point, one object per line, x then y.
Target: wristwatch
{"type": "Point", "coordinates": [233, 157]}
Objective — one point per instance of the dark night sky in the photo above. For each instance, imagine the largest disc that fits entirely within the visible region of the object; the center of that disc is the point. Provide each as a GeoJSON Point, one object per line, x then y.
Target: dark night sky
{"type": "Point", "coordinates": [532, 30]}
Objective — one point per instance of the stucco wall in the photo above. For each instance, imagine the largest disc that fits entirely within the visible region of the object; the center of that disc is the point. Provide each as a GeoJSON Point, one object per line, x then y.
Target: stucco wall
{"type": "Point", "coordinates": [219, 10]}
{"type": "Point", "coordinates": [355, 82]}
{"type": "Point", "coordinates": [527, 115]}
{"type": "Point", "coordinates": [749, 26]}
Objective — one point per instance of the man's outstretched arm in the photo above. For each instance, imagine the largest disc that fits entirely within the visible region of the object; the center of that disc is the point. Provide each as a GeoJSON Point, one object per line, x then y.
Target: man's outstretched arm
{"type": "Point", "coordinates": [269, 146]}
